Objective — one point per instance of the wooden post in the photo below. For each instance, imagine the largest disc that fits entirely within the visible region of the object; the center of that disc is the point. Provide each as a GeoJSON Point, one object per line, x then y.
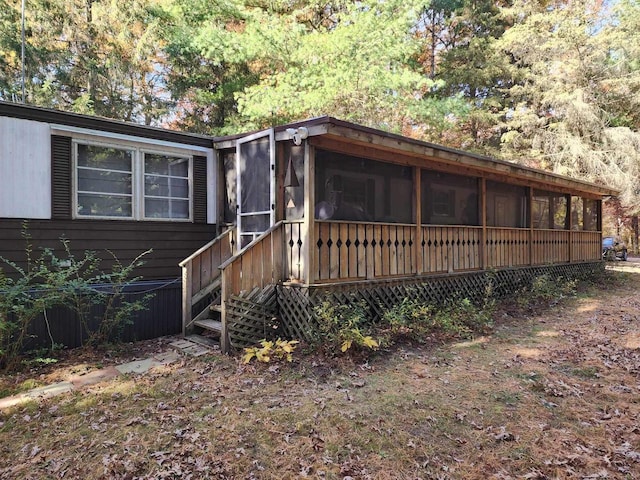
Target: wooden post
{"type": "Point", "coordinates": [281, 167]}
{"type": "Point", "coordinates": [186, 295]}
{"type": "Point", "coordinates": [417, 199]}
{"type": "Point", "coordinates": [570, 226]}
{"type": "Point", "coordinates": [225, 293]}
{"type": "Point", "coordinates": [530, 223]}
{"type": "Point", "coordinates": [483, 222]}
{"type": "Point", "coordinates": [308, 237]}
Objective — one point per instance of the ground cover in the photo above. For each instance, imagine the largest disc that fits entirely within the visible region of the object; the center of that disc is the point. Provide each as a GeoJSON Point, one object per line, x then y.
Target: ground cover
{"type": "Point", "coordinates": [550, 395]}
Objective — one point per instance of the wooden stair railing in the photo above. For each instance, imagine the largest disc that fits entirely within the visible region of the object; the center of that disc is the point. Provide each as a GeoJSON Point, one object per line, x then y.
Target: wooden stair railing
{"type": "Point", "coordinates": [202, 285]}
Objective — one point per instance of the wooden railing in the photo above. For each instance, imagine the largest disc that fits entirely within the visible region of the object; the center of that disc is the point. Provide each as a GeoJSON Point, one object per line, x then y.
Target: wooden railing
{"type": "Point", "coordinates": [356, 250]}
{"type": "Point", "coordinates": [200, 272]}
{"type": "Point", "coordinates": [550, 246]}
{"type": "Point", "coordinates": [448, 249]}
{"type": "Point", "coordinates": [585, 246]}
{"type": "Point", "coordinates": [507, 247]}
{"type": "Point", "coordinates": [293, 266]}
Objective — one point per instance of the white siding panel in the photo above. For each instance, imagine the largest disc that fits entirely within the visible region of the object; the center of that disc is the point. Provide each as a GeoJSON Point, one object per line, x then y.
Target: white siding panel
{"type": "Point", "coordinates": [25, 169]}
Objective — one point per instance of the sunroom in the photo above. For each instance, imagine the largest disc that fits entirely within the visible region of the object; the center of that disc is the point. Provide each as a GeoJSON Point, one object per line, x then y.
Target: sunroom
{"type": "Point", "coordinates": [326, 209]}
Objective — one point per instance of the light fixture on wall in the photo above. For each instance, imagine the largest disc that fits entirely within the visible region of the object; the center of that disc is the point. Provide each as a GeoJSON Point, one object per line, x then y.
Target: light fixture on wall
{"type": "Point", "coordinates": [290, 178]}
{"type": "Point", "coordinates": [298, 134]}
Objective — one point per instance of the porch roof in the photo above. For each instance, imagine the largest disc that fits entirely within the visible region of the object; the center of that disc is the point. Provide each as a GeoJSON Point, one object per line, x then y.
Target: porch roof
{"type": "Point", "coordinates": [338, 135]}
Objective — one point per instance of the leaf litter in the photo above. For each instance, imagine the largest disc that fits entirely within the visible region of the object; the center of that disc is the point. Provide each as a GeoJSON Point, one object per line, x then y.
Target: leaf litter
{"type": "Point", "coordinates": [490, 409]}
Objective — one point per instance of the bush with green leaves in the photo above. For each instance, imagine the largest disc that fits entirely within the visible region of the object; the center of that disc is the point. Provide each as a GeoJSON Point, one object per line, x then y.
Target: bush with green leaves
{"type": "Point", "coordinates": [345, 326]}
{"type": "Point", "coordinates": [546, 289]}
{"type": "Point", "coordinates": [48, 281]}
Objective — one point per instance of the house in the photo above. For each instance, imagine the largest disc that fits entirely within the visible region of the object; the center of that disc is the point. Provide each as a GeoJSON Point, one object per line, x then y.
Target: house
{"type": "Point", "coordinates": [103, 185]}
{"type": "Point", "coordinates": [289, 217]}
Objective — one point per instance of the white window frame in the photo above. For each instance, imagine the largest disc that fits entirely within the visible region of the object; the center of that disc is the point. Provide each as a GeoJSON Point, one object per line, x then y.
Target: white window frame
{"type": "Point", "coordinates": [189, 159]}
{"type": "Point", "coordinates": [137, 184]}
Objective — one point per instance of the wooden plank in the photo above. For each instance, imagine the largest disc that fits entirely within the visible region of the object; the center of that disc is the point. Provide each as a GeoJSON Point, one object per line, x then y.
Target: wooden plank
{"type": "Point", "coordinates": [401, 250]}
{"type": "Point", "coordinates": [418, 251]}
{"type": "Point", "coordinates": [324, 235]}
{"type": "Point", "coordinates": [308, 230]}
{"type": "Point", "coordinates": [278, 249]}
{"type": "Point", "coordinates": [205, 268]}
{"type": "Point", "coordinates": [361, 251]}
{"type": "Point", "coordinates": [256, 266]}
{"type": "Point", "coordinates": [385, 251]}
{"type": "Point", "coordinates": [353, 252]}
{"type": "Point", "coordinates": [267, 261]}
{"type": "Point", "coordinates": [334, 256]}
{"type": "Point", "coordinates": [343, 235]}
{"type": "Point", "coordinates": [186, 295]}
{"type": "Point", "coordinates": [368, 229]}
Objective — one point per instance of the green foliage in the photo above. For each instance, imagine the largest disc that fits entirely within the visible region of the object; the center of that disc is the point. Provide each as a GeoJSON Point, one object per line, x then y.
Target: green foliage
{"type": "Point", "coordinates": [459, 317]}
{"type": "Point", "coordinates": [50, 281]}
{"type": "Point", "coordinates": [342, 327]}
{"type": "Point", "coordinates": [546, 290]}
{"type": "Point", "coordinates": [279, 350]}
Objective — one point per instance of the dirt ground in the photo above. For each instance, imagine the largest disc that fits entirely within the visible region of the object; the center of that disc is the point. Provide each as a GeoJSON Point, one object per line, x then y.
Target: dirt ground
{"type": "Point", "coordinates": [543, 396]}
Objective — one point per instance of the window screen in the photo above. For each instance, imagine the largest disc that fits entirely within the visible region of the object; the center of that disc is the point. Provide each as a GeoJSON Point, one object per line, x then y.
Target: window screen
{"type": "Point", "coordinates": [449, 199]}
{"type": "Point", "coordinates": [358, 189]}
{"type": "Point", "coordinates": [506, 205]}
{"type": "Point", "coordinates": [584, 214]}
{"type": "Point", "coordinates": [549, 210]}
{"type": "Point", "coordinates": [166, 186]}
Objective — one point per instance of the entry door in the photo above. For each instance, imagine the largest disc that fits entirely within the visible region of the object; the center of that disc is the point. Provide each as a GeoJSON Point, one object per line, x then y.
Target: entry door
{"type": "Point", "coordinates": [256, 185]}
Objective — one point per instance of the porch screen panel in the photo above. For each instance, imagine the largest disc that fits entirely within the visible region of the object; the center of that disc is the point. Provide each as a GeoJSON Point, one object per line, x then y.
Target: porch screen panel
{"type": "Point", "coordinates": [506, 205]}
{"type": "Point", "coordinates": [549, 210]}
{"type": "Point", "coordinates": [358, 189]}
{"type": "Point", "coordinates": [449, 199]}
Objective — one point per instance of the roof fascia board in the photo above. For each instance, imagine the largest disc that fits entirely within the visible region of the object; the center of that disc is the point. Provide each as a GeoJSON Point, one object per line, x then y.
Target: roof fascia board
{"type": "Point", "coordinates": [38, 114]}
{"type": "Point", "coordinates": [101, 135]}
{"type": "Point", "coordinates": [382, 140]}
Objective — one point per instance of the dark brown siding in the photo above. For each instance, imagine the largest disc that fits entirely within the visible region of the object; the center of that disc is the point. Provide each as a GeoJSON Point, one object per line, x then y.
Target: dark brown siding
{"type": "Point", "coordinates": [200, 189]}
{"type": "Point", "coordinates": [171, 242]}
{"type": "Point", "coordinates": [61, 177]}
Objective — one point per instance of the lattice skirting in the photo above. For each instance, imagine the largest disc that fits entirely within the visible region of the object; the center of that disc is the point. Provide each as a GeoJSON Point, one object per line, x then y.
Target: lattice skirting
{"type": "Point", "coordinates": [295, 305]}
{"type": "Point", "coordinates": [252, 317]}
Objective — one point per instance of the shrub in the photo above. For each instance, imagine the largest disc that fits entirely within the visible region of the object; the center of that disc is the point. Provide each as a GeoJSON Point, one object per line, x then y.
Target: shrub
{"type": "Point", "coordinates": [49, 281]}
{"type": "Point", "coordinates": [345, 326]}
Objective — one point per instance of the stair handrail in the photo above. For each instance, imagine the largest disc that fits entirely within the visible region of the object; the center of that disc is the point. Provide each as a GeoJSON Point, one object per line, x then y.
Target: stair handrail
{"type": "Point", "coordinates": [189, 297]}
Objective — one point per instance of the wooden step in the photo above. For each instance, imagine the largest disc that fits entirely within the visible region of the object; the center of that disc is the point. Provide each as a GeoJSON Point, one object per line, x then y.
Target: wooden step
{"type": "Point", "coordinates": [202, 340]}
{"type": "Point", "coordinates": [208, 324]}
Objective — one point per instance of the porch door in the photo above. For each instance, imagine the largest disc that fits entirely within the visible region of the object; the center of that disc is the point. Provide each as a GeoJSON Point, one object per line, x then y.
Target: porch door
{"type": "Point", "coordinates": [255, 185]}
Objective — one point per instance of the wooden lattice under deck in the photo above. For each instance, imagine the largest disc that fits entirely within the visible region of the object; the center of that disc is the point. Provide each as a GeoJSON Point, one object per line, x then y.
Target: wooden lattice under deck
{"type": "Point", "coordinates": [289, 310]}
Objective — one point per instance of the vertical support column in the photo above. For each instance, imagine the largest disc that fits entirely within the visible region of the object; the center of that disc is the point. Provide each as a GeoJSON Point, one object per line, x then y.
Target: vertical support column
{"type": "Point", "coordinates": [308, 225]}
{"type": "Point", "coordinates": [570, 227]}
{"type": "Point", "coordinates": [281, 168]}
{"type": "Point", "coordinates": [227, 279]}
{"type": "Point", "coordinates": [530, 223]}
{"type": "Point", "coordinates": [417, 201]}
{"type": "Point", "coordinates": [186, 295]}
{"type": "Point", "coordinates": [483, 222]}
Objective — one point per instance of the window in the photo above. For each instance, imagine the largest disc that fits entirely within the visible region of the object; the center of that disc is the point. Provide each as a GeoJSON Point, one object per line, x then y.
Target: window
{"type": "Point", "coordinates": [166, 186]}
{"type": "Point", "coordinates": [130, 183]}
{"type": "Point", "coordinates": [104, 181]}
